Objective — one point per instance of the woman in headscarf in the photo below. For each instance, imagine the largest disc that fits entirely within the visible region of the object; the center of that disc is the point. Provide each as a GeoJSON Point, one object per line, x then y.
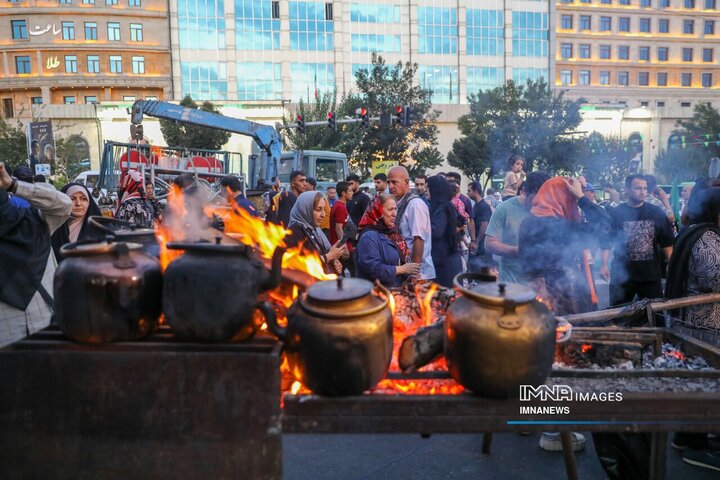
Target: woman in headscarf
{"type": "Point", "coordinates": [444, 222]}
{"type": "Point", "coordinates": [551, 243]}
{"type": "Point", "coordinates": [133, 207]}
{"type": "Point", "coordinates": [76, 228]}
{"type": "Point", "coordinates": [382, 253]}
{"type": "Point", "coordinates": [306, 217]}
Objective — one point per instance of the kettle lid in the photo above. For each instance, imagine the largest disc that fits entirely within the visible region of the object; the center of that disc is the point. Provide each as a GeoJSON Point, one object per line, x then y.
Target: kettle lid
{"type": "Point", "coordinates": [342, 289]}
{"type": "Point", "coordinates": [493, 293]}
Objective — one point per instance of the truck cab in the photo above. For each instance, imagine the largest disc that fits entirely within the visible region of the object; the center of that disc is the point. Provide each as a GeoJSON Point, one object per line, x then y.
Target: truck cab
{"type": "Point", "coordinates": [328, 168]}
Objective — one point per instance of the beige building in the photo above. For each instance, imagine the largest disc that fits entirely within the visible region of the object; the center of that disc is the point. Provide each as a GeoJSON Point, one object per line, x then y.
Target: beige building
{"type": "Point", "coordinates": [82, 52]}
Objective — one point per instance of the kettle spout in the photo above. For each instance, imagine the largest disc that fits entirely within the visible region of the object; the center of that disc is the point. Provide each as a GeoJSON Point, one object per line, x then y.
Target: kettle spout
{"type": "Point", "coordinates": [275, 270]}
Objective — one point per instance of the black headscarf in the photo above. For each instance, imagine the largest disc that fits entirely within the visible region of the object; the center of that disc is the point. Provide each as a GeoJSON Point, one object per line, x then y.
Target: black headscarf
{"type": "Point", "coordinates": [703, 212]}
{"type": "Point", "coordinates": [440, 195]}
{"type": "Point", "coordinates": [87, 232]}
{"type": "Point", "coordinates": [24, 250]}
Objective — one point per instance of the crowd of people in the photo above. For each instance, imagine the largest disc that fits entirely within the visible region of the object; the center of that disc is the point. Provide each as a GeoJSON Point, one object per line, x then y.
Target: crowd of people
{"type": "Point", "coordinates": [547, 232]}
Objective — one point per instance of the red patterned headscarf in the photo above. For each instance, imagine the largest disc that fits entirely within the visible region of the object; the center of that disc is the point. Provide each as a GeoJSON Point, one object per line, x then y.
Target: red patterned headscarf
{"type": "Point", "coordinates": [131, 185]}
{"type": "Point", "coordinates": [372, 220]}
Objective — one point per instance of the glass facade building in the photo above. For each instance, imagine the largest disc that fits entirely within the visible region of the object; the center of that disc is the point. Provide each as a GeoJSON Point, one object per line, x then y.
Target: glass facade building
{"type": "Point", "coordinates": [295, 50]}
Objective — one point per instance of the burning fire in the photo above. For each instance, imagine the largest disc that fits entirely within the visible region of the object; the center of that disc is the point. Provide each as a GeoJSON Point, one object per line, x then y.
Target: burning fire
{"type": "Point", "coordinates": [425, 307]}
{"type": "Point", "coordinates": [585, 347]}
{"type": "Point", "coordinates": [172, 230]}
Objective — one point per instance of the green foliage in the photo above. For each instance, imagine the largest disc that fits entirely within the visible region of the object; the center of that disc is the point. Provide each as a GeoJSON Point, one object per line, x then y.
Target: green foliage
{"type": "Point", "coordinates": [380, 90]}
{"type": "Point", "coordinates": [530, 120]}
{"type": "Point", "coordinates": [192, 136]}
{"type": "Point", "coordinates": [318, 137]}
{"type": "Point", "coordinates": [13, 144]}
{"type": "Point", "coordinates": [702, 129]}
{"type": "Point", "coordinates": [471, 155]}
{"type": "Point", "coordinates": [685, 164]}
{"type": "Point", "coordinates": [605, 160]}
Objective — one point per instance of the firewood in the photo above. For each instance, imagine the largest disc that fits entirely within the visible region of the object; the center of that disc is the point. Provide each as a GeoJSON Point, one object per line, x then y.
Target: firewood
{"type": "Point", "coordinates": [421, 348]}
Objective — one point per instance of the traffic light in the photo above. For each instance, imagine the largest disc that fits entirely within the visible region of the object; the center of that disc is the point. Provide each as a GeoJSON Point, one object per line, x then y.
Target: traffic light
{"type": "Point", "coordinates": [301, 123]}
{"type": "Point", "coordinates": [408, 116]}
{"type": "Point", "coordinates": [331, 121]}
{"type": "Point", "coordinates": [398, 117]}
{"type": "Point", "coordinates": [362, 113]}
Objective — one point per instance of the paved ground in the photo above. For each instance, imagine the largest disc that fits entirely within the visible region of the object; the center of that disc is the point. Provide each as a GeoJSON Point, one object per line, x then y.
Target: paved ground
{"type": "Point", "coordinates": [397, 457]}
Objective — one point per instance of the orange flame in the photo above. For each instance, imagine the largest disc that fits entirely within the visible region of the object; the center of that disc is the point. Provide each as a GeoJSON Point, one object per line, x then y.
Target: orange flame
{"type": "Point", "coordinates": [585, 347]}
{"type": "Point", "coordinates": [171, 230]}
{"type": "Point", "coordinates": [295, 388]}
{"type": "Point", "coordinates": [425, 306]}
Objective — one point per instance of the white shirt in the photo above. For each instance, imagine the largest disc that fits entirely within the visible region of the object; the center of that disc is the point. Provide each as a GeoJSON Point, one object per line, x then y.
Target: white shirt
{"type": "Point", "coordinates": [416, 223]}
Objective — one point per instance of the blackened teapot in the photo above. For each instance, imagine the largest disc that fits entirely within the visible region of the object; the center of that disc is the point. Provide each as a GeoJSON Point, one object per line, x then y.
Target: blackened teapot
{"type": "Point", "coordinates": [211, 291]}
{"type": "Point", "coordinates": [498, 337]}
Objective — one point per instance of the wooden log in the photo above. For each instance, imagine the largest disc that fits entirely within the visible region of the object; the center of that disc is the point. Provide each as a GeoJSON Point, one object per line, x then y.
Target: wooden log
{"type": "Point", "coordinates": [421, 348]}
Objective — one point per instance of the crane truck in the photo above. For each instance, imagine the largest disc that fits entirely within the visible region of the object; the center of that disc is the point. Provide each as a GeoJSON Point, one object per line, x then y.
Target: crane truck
{"type": "Point", "coordinates": [270, 166]}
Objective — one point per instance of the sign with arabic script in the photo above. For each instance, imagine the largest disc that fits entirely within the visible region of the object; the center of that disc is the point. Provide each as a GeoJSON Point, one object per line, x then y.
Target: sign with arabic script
{"type": "Point", "coordinates": [52, 62]}
{"type": "Point", "coordinates": [40, 30]}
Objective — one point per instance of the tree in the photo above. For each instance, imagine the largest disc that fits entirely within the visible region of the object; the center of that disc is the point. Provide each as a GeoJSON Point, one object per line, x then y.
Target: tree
{"type": "Point", "coordinates": [531, 120]}
{"type": "Point", "coordinates": [683, 164]}
{"type": "Point", "coordinates": [317, 137]}
{"type": "Point", "coordinates": [471, 155]}
{"type": "Point", "coordinates": [13, 144]}
{"type": "Point", "coordinates": [702, 130]}
{"type": "Point", "coordinates": [380, 89]}
{"type": "Point", "coordinates": [192, 136]}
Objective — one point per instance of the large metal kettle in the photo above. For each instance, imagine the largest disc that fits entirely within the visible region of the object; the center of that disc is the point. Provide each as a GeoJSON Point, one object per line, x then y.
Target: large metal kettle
{"type": "Point", "coordinates": [338, 339]}
{"type": "Point", "coordinates": [498, 337]}
{"type": "Point", "coordinates": [211, 291]}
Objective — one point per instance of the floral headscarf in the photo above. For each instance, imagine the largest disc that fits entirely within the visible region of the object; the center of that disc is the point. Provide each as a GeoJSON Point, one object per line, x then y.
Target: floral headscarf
{"type": "Point", "coordinates": [372, 220]}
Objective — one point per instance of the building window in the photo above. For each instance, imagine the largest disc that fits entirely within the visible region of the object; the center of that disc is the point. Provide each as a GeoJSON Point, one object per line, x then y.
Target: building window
{"type": "Point", "coordinates": [566, 22]}
{"type": "Point", "coordinates": [22, 64]}
{"type": "Point", "coordinates": [88, 2]}
{"type": "Point", "coordinates": [584, 77]}
{"type": "Point", "coordinates": [585, 22]}
{"type": "Point", "coordinates": [707, 54]}
{"type": "Point", "coordinates": [663, 25]}
{"type": "Point", "coordinates": [566, 50]}
{"type": "Point", "coordinates": [8, 110]}
{"type": "Point", "coordinates": [645, 25]}
{"type": "Point", "coordinates": [36, 100]}
{"type": "Point", "coordinates": [256, 28]}
{"type": "Point", "coordinates": [113, 31]}
{"type": "Point", "coordinates": [369, 13]}
{"type": "Point", "coordinates": [687, 54]}
{"type": "Point", "coordinates": [709, 27]}
{"type": "Point", "coordinates": [643, 79]}
{"type": "Point", "coordinates": [128, 98]}
{"type": "Point", "coordinates": [605, 24]}
{"type": "Point", "coordinates": [566, 77]}
{"type": "Point", "coordinates": [93, 64]}
{"type": "Point", "coordinates": [686, 79]}
{"type": "Point", "coordinates": [484, 78]}
{"type": "Point", "coordinates": [134, 3]}
{"type": "Point", "coordinates": [136, 32]}
{"type": "Point", "coordinates": [530, 34]}
{"type": "Point", "coordinates": [309, 28]}
{"type": "Point", "coordinates": [111, 2]}
{"type": "Point", "coordinates": [90, 99]}
{"type": "Point", "coordinates": [646, 3]}
{"type": "Point", "coordinates": [622, 78]}
{"type": "Point", "coordinates": [623, 52]}
{"type": "Point", "coordinates": [660, 104]}
{"type": "Point", "coordinates": [259, 81]}
{"type": "Point", "coordinates": [686, 104]}
{"type": "Point", "coordinates": [584, 51]}
{"type": "Point", "coordinates": [437, 30]}
{"type": "Point", "coordinates": [275, 9]}
{"type": "Point", "coordinates": [370, 42]}
{"type": "Point", "coordinates": [604, 77]}
{"type": "Point", "coordinates": [644, 104]}
{"type": "Point", "coordinates": [208, 81]}
{"type": "Point", "coordinates": [706, 80]}
{"type": "Point", "coordinates": [312, 79]}
{"type": "Point", "coordinates": [69, 100]}
{"type": "Point", "coordinates": [65, 2]}
{"type": "Point", "coordinates": [644, 53]}
{"type": "Point", "coordinates": [605, 52]}
{"type": "Point", "coordinates": [662, 54]}
{"type": "Point", "coordinates": [19, 30]}
{"type": "Point", "coordinates": [68, 30]}
{"type": "Point", "coordinates": [689, 3]}
{"type": "Point", "coordinates": [116, 64]}
{"type": "Point", "coordinates": [485, 32]}
{"type": "Point", "coordinates": [709, 4]}
{"type": "Point", "coordinates": [624, 24]}
{"type": "Point", "coordinates": [624, 2]}
{"type": "Point", "coordinates": [661, 79]}
{"type": "Point", "coordinates": [328, 11]}
{"type": "Point", "coordinates": [138, 65]}
{"type": "Point", "coordinates": [70, 64]}
{"type": "Point", "coordinates": [90, 31]}
{"type": "Point", "coordinates": [664, 3]}
{"type": "Point", "coordinates": [606, 2]}
{"type": "Point", "coordinates": [688, 27]}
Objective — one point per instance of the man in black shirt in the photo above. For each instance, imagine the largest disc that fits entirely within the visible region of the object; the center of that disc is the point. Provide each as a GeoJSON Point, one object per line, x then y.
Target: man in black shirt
{"type": "Point", "coordinates": [481, 214]}
{"type": "Point", "coordinates": [640, 231]}
{"type": "Point", "coordinates": [359, 201]}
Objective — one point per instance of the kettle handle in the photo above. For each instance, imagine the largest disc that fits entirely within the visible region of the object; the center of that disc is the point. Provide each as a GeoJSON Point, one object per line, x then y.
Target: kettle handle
{"type": "Point", "coordinates": [269, 313]}
{"type": "Point", "coordinates": [484, 277]}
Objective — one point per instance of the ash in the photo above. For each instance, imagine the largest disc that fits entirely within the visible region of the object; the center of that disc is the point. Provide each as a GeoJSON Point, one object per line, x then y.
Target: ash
{"type": "Point", "coordinates": [672, 357]}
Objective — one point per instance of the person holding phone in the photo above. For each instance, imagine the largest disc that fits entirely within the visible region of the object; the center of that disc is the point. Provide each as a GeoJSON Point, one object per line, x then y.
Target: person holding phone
{"type": "Point", "coordinates": [382, 253]}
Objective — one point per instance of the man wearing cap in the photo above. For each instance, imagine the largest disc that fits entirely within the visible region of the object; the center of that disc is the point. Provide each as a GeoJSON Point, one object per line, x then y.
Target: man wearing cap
{"type": "Point", "coordinates": [589, 192]}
